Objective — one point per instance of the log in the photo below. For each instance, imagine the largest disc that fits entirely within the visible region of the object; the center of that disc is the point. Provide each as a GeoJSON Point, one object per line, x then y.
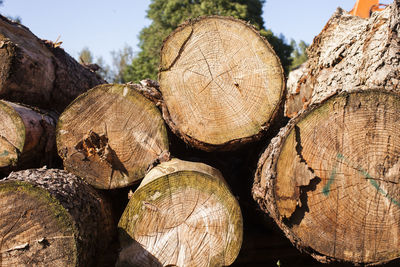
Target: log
{"type": "Point", "coordinates": [39, 73]}
{"type": "Point", "coordinates": [350, 54]}
{"type": "Point", "coordinates": [111, 136]}
{"type": "Point", "coordinates": [27, 137]}
{"type": "Point", "coordinates": [52, 218]}
{"type": "Point", "coordinates": [182, 214]}
{"type": "Point", "coordinates": [221, 83]}
{"type": "Point", "coordinates": [330, 178]}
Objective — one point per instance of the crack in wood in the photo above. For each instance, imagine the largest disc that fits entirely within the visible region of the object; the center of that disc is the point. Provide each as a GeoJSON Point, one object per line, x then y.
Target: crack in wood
{"type": "Point", "coordinates": [179, 52]}
{"type": "Point", "coordinates": [95, 144]}
{"type": "Point", "coordinates": [301, 208]}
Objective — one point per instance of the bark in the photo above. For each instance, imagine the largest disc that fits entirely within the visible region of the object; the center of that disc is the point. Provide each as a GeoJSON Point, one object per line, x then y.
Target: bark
{"type": "Point", "coordinates": [52, 218]}
{"type": "Point", "coordinates": [350, 54]}
{"type": "Point", "coordinates": [182, 214]}
{"type": "Point", "coordinates": [330, 178]}
{"type": "Point", "coordinates": [221, 83]}
{"type": "Point", "coordinates": [39, 73]}
{"type": "Point", "coordinates": [111, 136]}
{"type": "Point", "coordinates": [27, 137]}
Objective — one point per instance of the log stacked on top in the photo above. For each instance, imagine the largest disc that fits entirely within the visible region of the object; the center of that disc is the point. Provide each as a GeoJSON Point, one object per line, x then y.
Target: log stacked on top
{"type": "Point", "coordinates": [221, 83]}
{"type": "Point", "coordinates": [37, 72]}
{"type": "Point", "coordinates": [350, 53]}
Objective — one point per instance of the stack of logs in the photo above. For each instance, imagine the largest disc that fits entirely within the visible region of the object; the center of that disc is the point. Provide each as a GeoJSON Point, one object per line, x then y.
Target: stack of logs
{"type": "Point", "coordinates": [186, 148]}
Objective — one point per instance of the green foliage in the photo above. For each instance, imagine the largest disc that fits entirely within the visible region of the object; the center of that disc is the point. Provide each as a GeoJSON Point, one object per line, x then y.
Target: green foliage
{"type": "Point", "coordinates": [166, 15]}
{"type": "Point", "coordinates": [282, 49]}
{"type": "Point", "coordinates": [105, 70]}
{"type": "Point", "coordinates": [85, 56]}
{"type": "Point", "coordinates": [121, 59]}
{"type": "Point", "coordinates": [299, 55]}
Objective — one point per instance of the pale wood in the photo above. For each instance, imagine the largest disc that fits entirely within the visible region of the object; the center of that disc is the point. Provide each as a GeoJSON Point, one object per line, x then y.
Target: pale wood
{"type": "Point", "coordinates": [27, 137]}
{"type": "Point", "coordinates": [111, 136]}
{"type": "Point", "coordinates": [350, 54]}
{"type": "Point", "coordinates": [221, 82]}
{"type": "Point", "coordinates": [52, 218]}
{"type": "Point", "coordinates": [182, 214]}
{"type": "Point", "coordinates": [37, 72]}
{"type": "Point", "coordinates": [330, 179]}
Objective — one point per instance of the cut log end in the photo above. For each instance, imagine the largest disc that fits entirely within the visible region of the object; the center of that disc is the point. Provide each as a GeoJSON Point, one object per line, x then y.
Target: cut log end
{"type": "Point", "coordinates": [111, 136]}
{"type": "Point", "coordinates": [332, 179]}
{"type": "Point", "coordinates": [49, 217]}
{"type": "Point", "coordinates": [12, 135]}
{"type": "Point", "coordinates": [181, 217]}
{"type": "Point", "coordinates": [221, 82]}
{"type": "Point", "coordinates": [35, 228]}
{"type": "Point", "coordinates": [27, 137]}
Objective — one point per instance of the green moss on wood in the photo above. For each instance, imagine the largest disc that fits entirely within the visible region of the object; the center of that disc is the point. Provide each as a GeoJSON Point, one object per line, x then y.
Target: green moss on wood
{"type": "Point", "coordinates": [60, 214]}
{"type": "Point", "coordinates": [166, 186]}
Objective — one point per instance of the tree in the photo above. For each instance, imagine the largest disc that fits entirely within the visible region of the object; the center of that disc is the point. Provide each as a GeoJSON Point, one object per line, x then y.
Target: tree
{"type": "Point", "coordinates": [105, 71]}
{"type": "Point", "coordinates": [13, 18]}
{"type": "Point", "coordinates": [121, 60]}
{"type": "Point", "coordinates": [166, 15]}
{"type": "Point", "coordinates": [299, 54]}
{"type": "Point", "coordinates": [85, 56]}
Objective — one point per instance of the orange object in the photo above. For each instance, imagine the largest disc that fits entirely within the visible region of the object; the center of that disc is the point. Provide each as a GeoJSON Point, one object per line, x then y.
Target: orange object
{"type": "Point", "coordinates": [364, 8]}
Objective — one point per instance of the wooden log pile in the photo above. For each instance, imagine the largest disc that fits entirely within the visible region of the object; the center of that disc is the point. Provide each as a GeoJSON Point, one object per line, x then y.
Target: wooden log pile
{"type": "Point", "coordinates": [174, 166]}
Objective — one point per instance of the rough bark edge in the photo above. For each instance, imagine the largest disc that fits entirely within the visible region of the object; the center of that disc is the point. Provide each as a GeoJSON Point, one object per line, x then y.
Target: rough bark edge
{"type": "Point", "coordinates": [263, 189]}
{"type": "Point", "coordinates": [235, 143]}
{"type": "Point", "coordinates": [70, 77]}
{"type": "Point", "coordinates": [64, 186]}
{"type": "Point", "coordinates": [312, 69]}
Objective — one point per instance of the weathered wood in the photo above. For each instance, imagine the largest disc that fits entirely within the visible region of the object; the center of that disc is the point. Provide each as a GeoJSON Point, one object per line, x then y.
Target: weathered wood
{"type": "Point", "coordinates": [330, 179]}
{"type": "Point", "coordinates": [111, 136]}
{"type": "Point", "coordinates": [37, 72]}
{"type": "Point", "coordinates": [351, 53]}
{"type": "Point", "coordinates": [52, 218]}
{"type": "Point", "coordinates": [27, 137]}
{"type": "Point", "coordinates": [182, 214]}
{"type": "Point", "coordinates": [221, 83]}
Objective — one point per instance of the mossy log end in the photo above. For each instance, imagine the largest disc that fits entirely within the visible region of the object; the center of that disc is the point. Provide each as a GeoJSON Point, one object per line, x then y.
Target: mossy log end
{"type": "Point", "coordinates": [27, 137]}
{"type": "Point", "coordinates": [221, 83]}
{"type": "Point", "coordinates": [111, 136]}
{"type": "Point", "coordinates": [350, 53]}
{"type": "Point", "coordinates": [330, 179]}
{"type": "Point", "coordinates": [182, 214]}
{"type": "Point", "coordinates": [39, 73]}
{"type": "Point", "coordinates": [52, 218]}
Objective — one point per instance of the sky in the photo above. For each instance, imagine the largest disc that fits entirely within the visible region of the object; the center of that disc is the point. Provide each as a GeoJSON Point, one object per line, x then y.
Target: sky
{"type": "Point", "coordinates": [108, 25]}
